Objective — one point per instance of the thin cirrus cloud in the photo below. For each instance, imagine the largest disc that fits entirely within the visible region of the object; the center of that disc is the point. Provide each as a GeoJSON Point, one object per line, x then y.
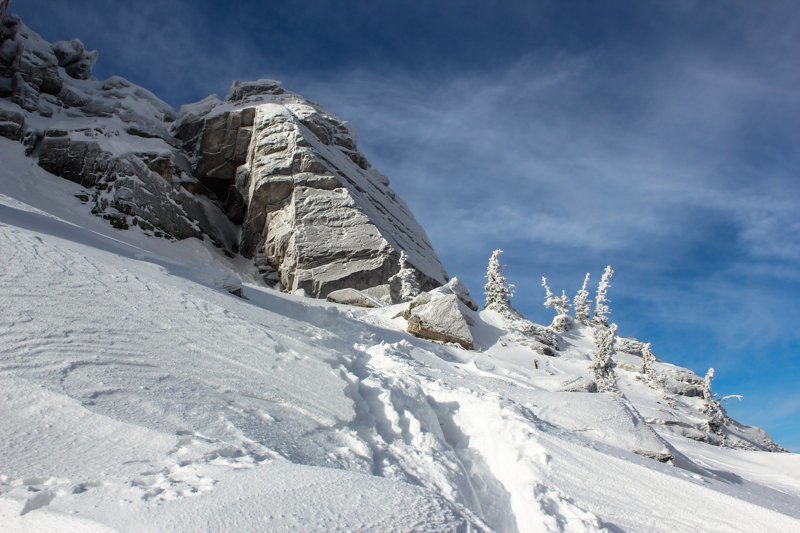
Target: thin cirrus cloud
{"type": "Point", "coordinates": [529, 152]}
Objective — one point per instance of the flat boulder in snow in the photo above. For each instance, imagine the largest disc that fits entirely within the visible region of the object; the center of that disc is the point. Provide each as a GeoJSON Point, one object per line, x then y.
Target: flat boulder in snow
{"type": "Point", "coordinates": [353, 297]}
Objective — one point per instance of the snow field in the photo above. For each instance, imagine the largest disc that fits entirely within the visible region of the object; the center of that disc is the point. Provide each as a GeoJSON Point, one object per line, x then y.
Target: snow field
{"type": "Point", "coordinates": [137, 395]}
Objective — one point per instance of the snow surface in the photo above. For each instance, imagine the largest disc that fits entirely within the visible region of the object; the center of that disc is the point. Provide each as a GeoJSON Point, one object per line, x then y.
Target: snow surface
{"type": "Point", "coordinates": [136, 394]}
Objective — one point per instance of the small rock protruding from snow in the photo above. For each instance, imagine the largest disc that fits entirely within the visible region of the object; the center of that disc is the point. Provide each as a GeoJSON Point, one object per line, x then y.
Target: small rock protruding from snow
{"type": "Point", "coordinates": [353, 297]}
{"type": "Point", "coordinates": [439, 316]}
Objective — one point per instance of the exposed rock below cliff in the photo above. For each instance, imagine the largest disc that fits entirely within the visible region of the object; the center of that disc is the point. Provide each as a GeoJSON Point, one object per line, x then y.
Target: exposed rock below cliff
{"type": "Point", "coordinates": [308, 200]}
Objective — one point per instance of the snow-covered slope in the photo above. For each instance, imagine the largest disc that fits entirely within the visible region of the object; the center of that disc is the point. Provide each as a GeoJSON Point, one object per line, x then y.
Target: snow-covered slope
{"type": "Point", "coordinates": [138, 394]}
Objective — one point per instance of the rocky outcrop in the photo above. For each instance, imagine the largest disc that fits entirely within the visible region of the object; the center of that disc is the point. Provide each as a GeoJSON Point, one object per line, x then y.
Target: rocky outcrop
{"type": "Point", "coordinates": [265, 172]}
{"type": "Point", "coordinates": [111, 137]}
{"type": "Point", "coordinates": [76, 61]}
{"type": "Point", "coordinates": [308, 201]}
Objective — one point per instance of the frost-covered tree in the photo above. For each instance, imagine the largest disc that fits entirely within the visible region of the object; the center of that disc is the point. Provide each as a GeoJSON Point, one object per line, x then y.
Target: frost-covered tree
{"type": "Point", "coordinates": [708, 396]}
{"type": "Point", "coordinates": [648, 358]}
{"type": "Point", "coordinates": [715, 427]}
{"type": "Point", "coordinates": [602, 361]}
{"type": "Point", "coordinates": [498, 291]}
{"type": "Point", "coordinates": [560, 304]}
{"type": "Point", "coordinates": [581, 303]}
{"type": "Point", "coordinates": [601, 308]}
{"type": "Point", "coordinates": [404, 286]}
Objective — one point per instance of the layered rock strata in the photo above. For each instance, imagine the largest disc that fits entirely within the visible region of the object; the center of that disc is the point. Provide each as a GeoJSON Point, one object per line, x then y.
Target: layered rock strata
{"type": "Point", "coordinates": [311, 206]}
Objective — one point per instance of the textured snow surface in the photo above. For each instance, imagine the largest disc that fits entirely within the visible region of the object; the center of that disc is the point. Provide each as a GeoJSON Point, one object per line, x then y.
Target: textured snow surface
{"type": "Point", "coordinates": [136, 394]}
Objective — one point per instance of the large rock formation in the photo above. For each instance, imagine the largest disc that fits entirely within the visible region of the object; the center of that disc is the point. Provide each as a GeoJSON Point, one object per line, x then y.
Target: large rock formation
{"type": "Point", "coordinates": [265, 172]}
{"type": "Point", "coordinates": [308, 200]}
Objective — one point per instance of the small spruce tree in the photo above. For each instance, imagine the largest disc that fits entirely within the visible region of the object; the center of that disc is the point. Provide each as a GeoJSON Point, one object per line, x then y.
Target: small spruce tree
{"type": "Point", "coordinates": [601, 307]}
{"type": "Point", "coordinates": [603, 362]}
{"type": "Point", "coordinates": [560, 304]}
{"type": "Point", "coordinates": [648, 358]}
{"type": "Point", "coordinates": [498, 291]}
{"type": "Point", "coordinates": [581, 303]}
{"type": "Point", "coordinates": [715, 426]}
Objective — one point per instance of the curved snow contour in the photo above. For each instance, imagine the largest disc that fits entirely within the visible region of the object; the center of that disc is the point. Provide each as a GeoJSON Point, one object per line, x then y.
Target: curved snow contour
{"type": "Point", "coordinates": [311, 206]}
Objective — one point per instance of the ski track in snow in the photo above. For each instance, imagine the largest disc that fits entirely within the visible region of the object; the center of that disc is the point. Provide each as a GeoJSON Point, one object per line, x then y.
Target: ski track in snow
{"type": "Point", "coordinates": [127, 391]}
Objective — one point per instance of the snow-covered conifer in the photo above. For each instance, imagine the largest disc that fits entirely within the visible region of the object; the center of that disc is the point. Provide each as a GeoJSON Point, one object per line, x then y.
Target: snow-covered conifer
{"type": "Point", "coordinates": [498, 291]}
{"type": "Point", "coordinates": [715, 427]}
{"type": "Point", "coordinates": [601, 308]}
{"type": "Point", "coordinates": [708, 396]}
{"type": "Point", "coordinates": [581, 303]}
{"type": "Point", "coordinates": [648, 358]}
{"type": "Point", "coordinates": [404, 285]}
{"type": "Point", "coordinates": [603, 362]}
{"type": "Point", "coordinates": [560, 304]}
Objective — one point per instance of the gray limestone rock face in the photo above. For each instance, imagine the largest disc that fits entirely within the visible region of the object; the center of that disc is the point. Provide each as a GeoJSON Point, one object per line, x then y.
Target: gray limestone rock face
{"type": "Point", "coordinates": [112, 137]}
{"type": "Point", "coordinates": [25, 54]}
{"type": "Point", "coordinates": [3, 8]}
{"type": "Point", "coordinates": [306, 198]}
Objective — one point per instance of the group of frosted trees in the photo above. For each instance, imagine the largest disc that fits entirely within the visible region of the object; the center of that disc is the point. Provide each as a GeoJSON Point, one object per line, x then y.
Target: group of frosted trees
{"type": "Point", "coordinates": [498, 298]}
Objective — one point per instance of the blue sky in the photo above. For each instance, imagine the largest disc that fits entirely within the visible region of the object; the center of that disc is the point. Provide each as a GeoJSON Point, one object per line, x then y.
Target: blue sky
{"type": "Point", "coordinates": [661, 137]}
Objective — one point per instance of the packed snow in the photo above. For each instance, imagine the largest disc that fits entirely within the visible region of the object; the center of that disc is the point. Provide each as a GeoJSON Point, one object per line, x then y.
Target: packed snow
{"type": "Point", "coordinates": [138, 394]}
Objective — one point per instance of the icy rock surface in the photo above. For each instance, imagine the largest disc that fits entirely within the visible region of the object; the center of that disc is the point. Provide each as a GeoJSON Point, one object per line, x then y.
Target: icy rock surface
{"type": "Point", "coordinates": [307, 199]}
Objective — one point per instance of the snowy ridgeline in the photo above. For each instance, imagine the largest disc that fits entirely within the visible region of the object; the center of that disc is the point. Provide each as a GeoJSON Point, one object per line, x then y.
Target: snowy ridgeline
{"type": "Point", "coordinates": [138, 394]}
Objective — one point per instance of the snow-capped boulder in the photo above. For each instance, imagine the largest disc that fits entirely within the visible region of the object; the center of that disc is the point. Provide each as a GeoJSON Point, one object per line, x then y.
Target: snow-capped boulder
{"type": "Point", "coordinates": [11, 123]}
{"type": "Point", "coordinates": [454, 286]}
{"type": "Point", "coordinates": [307, 199]}
{"type": "Point", "coordinates": [75, 59]}
{"type": "Point", "coordinates": [439, 316]}
{"type": "Point", "coordinates": [26, 56]}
